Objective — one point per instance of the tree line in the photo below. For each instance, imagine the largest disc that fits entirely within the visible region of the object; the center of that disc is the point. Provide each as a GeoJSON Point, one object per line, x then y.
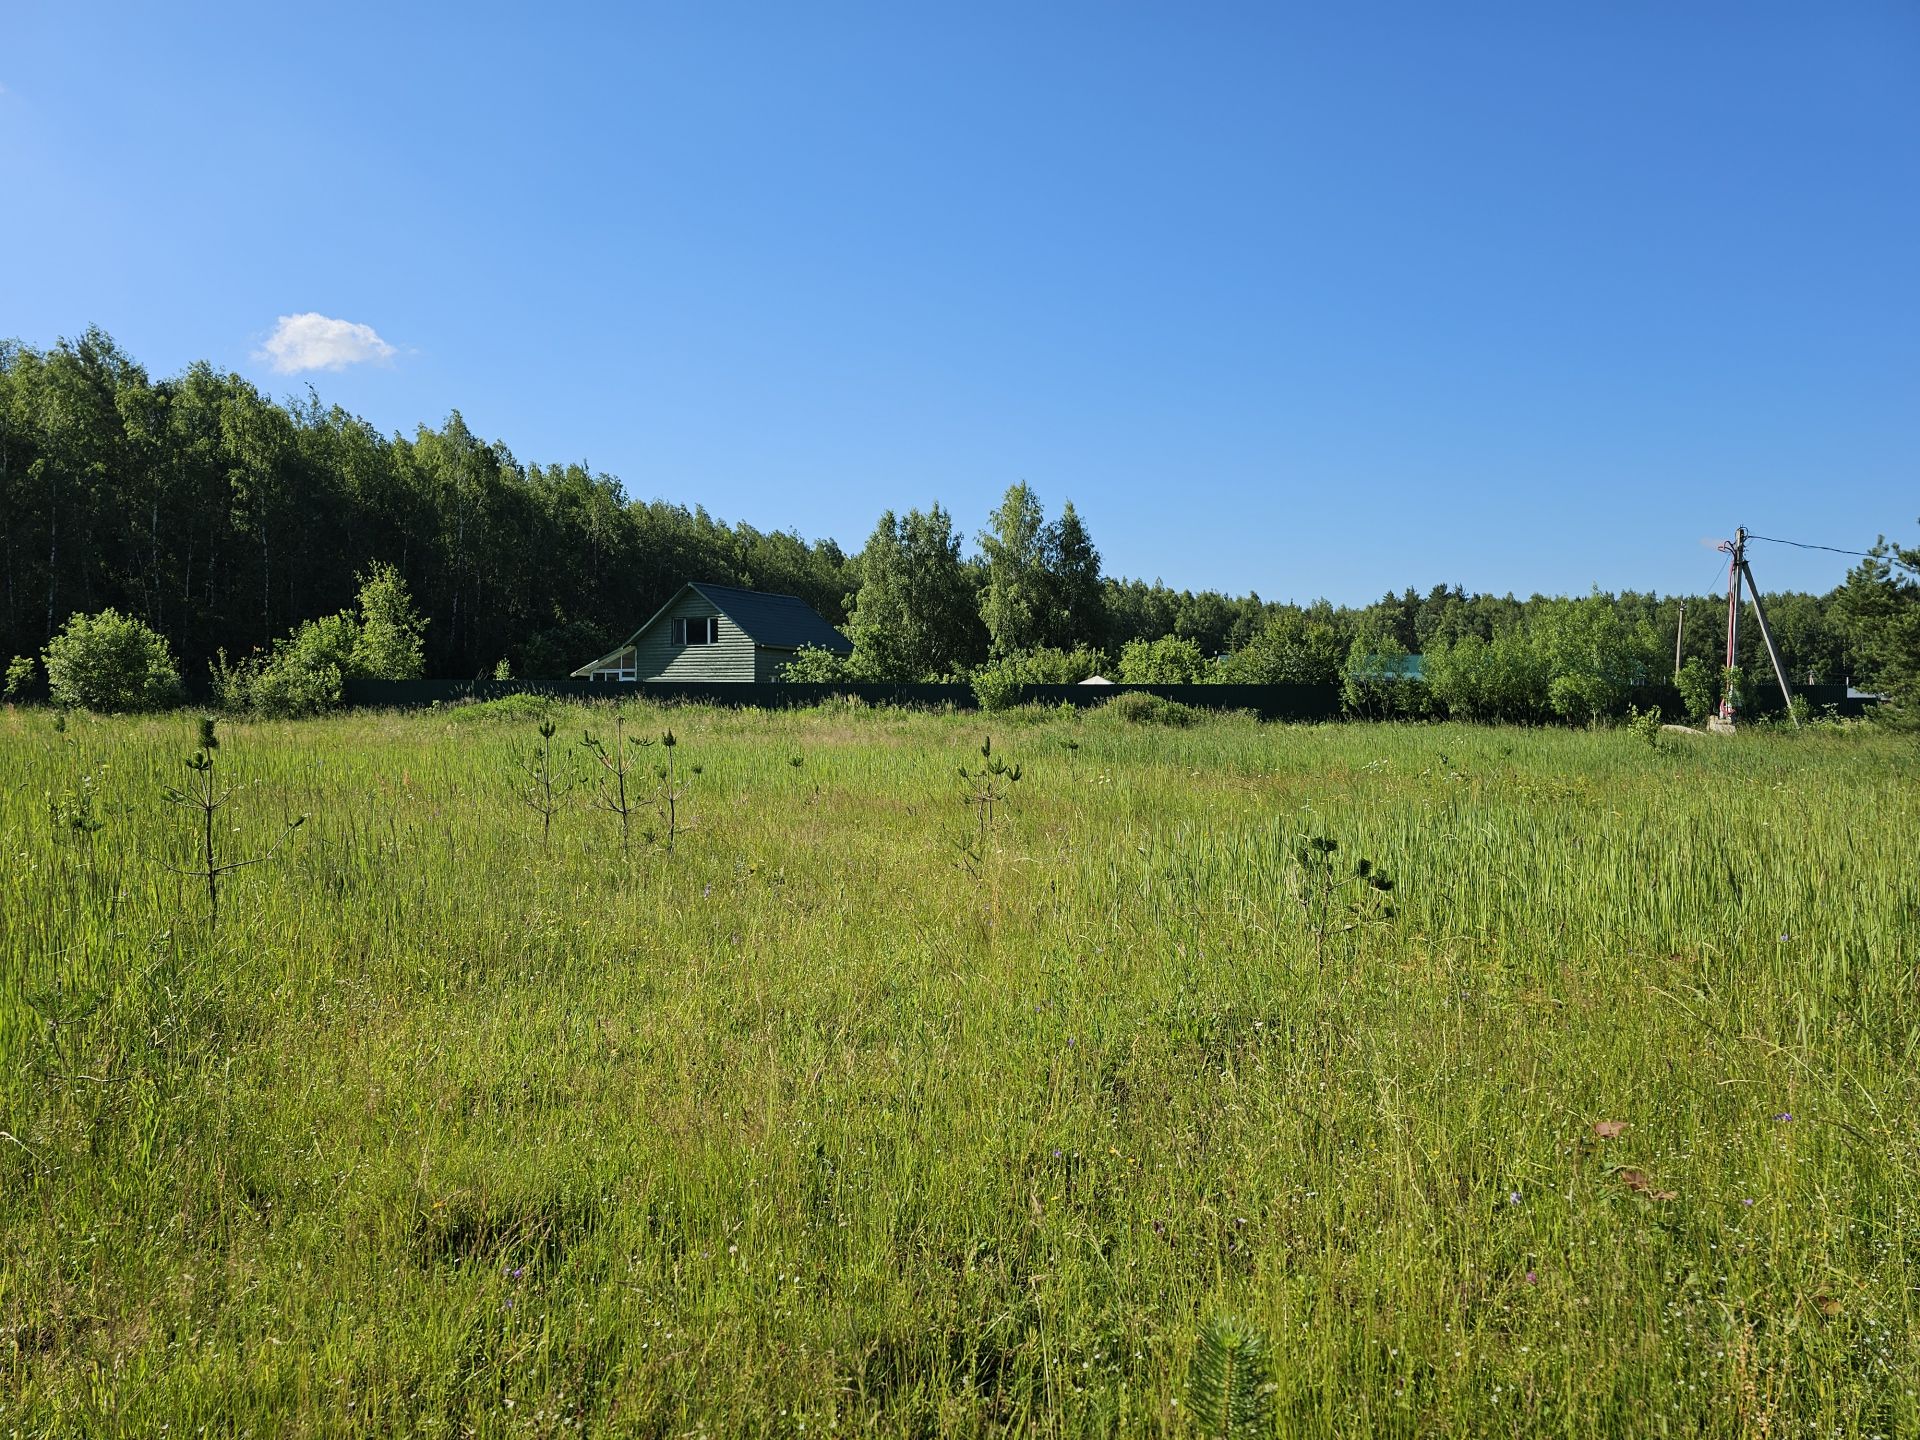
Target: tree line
{"type": "Point", "coordinates": [227, 521]}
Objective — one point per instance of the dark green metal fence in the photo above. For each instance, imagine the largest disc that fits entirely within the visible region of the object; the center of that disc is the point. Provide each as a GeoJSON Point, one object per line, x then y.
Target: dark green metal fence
{"type": "Point", "coordinates": [1269, 702]}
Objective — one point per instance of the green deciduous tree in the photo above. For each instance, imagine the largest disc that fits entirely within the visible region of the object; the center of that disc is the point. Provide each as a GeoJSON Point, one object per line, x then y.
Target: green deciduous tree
{"type": "Point", "coordinates": [391, 642]}
{"type": "Point", "coordinates": [916, 614]}
{"type": "Point", "coordinates": [306, 672]}
{"type": "Point", "coordinates": [1043, 585]}
{"type": "Point", "coordinates": [1292, 647]}
{"type": "Point", "coordinates": [815, 665]}
{"type": "Point", "coordinates": [1593, 658]}
{"type": "Point", "coordinates": [1502, 679]}
{"type": "Point", "coordinates": [1377, 680]}
{"type": "Point", "coordinates": [1014, 605]}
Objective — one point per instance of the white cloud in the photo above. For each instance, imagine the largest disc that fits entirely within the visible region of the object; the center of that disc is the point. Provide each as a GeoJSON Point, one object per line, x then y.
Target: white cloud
{"type": "Point", "coordinates": [319, 342]}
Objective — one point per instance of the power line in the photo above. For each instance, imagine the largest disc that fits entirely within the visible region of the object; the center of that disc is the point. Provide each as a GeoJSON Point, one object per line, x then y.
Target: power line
{"type": "Point", "coordinates": [1802, 545]}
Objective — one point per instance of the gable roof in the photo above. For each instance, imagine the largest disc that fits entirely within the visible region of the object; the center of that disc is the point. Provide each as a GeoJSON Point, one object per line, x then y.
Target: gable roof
{"type": "Point", "coordinates": [780, 622]}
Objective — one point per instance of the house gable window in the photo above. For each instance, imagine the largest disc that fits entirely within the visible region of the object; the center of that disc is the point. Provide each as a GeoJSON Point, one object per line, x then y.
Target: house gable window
{"type": "Point", "coordinates": [616, 667]}
{"type": "Point", "coordinates": [696, 630]}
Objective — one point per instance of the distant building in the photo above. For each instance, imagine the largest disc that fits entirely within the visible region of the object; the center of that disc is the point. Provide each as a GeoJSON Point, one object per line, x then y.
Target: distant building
{"type": "Point", "coordinates": [713, 633]}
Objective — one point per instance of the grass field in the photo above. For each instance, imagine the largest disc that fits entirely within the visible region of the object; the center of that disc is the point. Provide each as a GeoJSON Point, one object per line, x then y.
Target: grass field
{"type": "Point", "coordinates": [819, 1124]}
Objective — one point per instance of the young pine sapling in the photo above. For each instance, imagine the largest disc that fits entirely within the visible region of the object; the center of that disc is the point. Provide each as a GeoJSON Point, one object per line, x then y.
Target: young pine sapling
{"type": "Point", "coordinates": [1334, 898]}
{"type": "Point", "coordinates": [670, 791]}
{"type": "Point", "coordinates": [611, 794]}
{"type": "Point", "coordinates": [203, 798]}
{"type": "Point", "coordinates": [537, 785]}
{"type": "Point", "coordinates": [989, 786]}
{"type": "Point", "coordinates": [1229, 1393]}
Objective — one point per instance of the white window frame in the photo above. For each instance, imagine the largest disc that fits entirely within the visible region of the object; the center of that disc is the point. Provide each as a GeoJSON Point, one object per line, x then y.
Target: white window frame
{"type": "Point", "coordinates": [625, 669]}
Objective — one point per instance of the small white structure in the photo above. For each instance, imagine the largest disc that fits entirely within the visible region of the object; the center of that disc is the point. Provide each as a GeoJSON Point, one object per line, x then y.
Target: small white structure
{"type": "Point", "coordinates": [1096, 680]}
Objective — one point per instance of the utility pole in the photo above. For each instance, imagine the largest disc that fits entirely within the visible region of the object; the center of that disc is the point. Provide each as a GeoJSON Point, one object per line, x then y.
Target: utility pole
{"type": "Point", "coordinates": [1739, 573]}
{"type": "Point", "coordinates": [1679, 631]}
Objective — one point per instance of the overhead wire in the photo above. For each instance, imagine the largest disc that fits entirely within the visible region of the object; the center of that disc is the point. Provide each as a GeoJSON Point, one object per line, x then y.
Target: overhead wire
{"type": "Point", "coordinates": [1803, 545]}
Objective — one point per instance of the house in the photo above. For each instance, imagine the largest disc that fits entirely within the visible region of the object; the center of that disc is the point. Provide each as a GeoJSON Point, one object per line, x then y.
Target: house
{"type": "Point", "coordinates": [710, 633]}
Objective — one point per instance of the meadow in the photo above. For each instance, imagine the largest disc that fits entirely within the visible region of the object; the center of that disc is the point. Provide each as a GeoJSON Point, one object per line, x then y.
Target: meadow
{"type": "Point", "coordinates": [852, 1113]}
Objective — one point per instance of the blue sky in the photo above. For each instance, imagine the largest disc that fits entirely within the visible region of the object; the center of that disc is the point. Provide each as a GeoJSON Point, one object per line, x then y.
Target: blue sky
{"type": "Point", "coordinates": [1310, 300]}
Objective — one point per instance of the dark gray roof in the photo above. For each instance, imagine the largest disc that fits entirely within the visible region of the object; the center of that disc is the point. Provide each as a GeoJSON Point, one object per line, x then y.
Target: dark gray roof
{"type": "Point", "coordinates": [780, 622]}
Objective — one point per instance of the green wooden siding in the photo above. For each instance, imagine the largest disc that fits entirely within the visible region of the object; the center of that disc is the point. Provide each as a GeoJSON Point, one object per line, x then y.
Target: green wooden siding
{"type": "Point", "coordinates": [767, 663]}
{"type": "Point", "coordinates": [731, 658]}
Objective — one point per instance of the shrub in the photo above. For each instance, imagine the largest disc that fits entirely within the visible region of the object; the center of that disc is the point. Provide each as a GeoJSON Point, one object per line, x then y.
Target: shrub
{"type": "Point", "coordinates": [1699, 685]}
{"type": "Point", "coordinates": [307, 670]}
{"type": "Point", "coordinates": [20, 676]}
{"type": "Point", "coordinates": [1645, 725]}
{"type": "Point", "coordinates": [814, 665]}
{"type": "Point", "coordinates": [1379, 681]}
{"type": "Point", "coordinates": [111, 662]}
{"type": "Point", "coordinates": [1489, 680]}
{"type": "Point", "coordinates": [997, 685]}
{"type": "Point", "coordinates": [1170, 660]}
{"type": "Point", "coordinates": [1136, 708]}
{"type": "Point", "coordinates": [1290, 649]}
{"type": "Point", "coordinates": [1594, 658]}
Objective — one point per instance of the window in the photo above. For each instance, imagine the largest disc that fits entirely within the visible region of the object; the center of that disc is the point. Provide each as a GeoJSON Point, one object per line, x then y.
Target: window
{"type": "Point", "coordinates": [616, 667]}
{"type": "Point", "coordinates": [697, 630]}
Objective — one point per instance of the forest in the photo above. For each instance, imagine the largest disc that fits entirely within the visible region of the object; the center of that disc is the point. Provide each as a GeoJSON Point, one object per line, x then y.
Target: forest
{"type": "Point", "coordinates": [225, 519]}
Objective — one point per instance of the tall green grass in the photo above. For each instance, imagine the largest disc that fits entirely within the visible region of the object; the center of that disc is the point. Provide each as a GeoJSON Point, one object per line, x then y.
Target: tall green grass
{"type": "Point", "coordinates": [809, 1128]}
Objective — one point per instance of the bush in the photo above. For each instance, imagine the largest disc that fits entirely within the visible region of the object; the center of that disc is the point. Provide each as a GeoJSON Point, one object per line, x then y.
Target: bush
{"type": "Point", "coordinates": [517, 708]}
{"type": "Point", "coordinates": [1698, 682]}
{"type": "Point", "coordinates": [1136, 708]}
{"type": "Point", "coordinates": [1497, 680]}
{"type": "Point", "coordinates": [997, 685]}
{"type": "Point", "coordinates": [1290, 649]}
{"type": "Point", "coordinates": [307, 671]}
{"type": "Point", "coordinates": [1170, 660]}
{"type": "Point", "coordinates": [1379, 681]}
{"type": "Point", "coordinates": [20, 676]}
{"type": "Point", "coordinates": [1645, 725]}
{"type": "Point", "coordinates": [111, 662]}
{"type": "Point", "coordinates": [815, 665]}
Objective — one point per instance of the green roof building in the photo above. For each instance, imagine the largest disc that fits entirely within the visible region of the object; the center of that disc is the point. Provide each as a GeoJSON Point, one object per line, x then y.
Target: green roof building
{"type": "Point", "coordinates": [710, 633]}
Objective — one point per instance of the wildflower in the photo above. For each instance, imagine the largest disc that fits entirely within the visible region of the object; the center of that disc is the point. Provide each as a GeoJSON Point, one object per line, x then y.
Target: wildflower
{"type": "Point", "coordinates": [1513, 1198]}
{"type": "Point", "coordinates": [1748, 1202]}
{"type": "Point", "coordinates": [1783, 1117]}
{"type": "Point", "coordinates": [1533, 1277]}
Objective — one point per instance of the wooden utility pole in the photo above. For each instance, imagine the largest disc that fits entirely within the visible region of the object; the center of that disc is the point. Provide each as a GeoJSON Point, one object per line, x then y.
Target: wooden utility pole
{"type": "Point", "coordinates": [1739, 573]}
